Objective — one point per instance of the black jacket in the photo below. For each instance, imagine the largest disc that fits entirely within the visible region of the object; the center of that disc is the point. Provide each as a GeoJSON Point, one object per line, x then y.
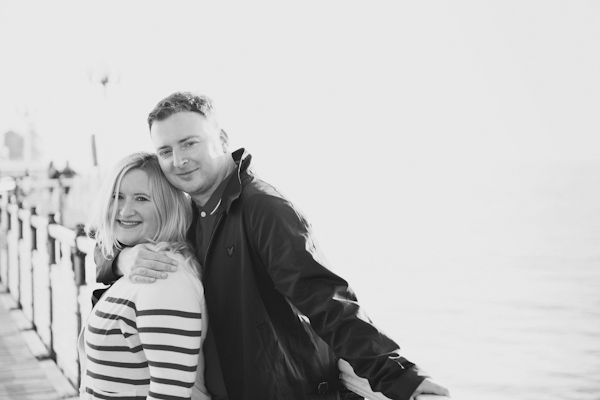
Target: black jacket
{"type": "Point", "coordinates": [280, 317]}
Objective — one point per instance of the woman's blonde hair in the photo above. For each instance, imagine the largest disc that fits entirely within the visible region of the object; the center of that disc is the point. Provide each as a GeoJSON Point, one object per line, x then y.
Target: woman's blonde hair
{"type": "Point", "coordinates": [172, 206]}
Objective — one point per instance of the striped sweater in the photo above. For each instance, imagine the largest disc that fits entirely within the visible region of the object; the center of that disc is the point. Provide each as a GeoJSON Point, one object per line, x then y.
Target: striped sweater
{"type": "Point", "coordinates": [143, 341]}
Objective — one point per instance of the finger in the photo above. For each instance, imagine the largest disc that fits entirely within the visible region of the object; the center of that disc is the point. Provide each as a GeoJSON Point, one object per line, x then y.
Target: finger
{"type": "Point", "coordinates": [158, 257]}
{"type": "Point", "coordinates": [141, 279]}
{"type": "Point", "coordinates": [158, 265]}
{"type": "Point", "coordinates": [149, 273]}
{"type": "Point", "coordinates": [151, 254]}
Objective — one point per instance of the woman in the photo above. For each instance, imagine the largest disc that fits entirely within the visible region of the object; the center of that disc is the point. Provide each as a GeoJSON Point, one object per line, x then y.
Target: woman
{"type": "Point", "coordinates": [144, 340]}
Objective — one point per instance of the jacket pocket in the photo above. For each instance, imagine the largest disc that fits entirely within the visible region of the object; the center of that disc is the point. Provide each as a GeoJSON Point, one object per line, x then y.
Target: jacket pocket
{"type": "Point", "coordinates": [271, 368]}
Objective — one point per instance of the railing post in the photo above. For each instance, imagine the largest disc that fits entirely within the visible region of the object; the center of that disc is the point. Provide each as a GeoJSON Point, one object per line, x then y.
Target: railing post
{"type": "Point", "coordinates": [2, 207]}
{"type": "Point", "coordinates": [51, 245]}
{"type": "Point", "coordinates": [86, 290]}
{"type": "Point", "coordinates": [12, 239]}
{"type": "Point", "coordinates": [8, 219]}
{"type": "Point", "coordinates": [18, 266]}
{"type": "Point", "coordinates": [79, 258]}
{"type": "Point", "coordinates": [32, 249]}
{"type": "Point", "coordinates": [4, 228]}
{"type": "Point", "coordinates": [25, 263]}
{"type": "Point", "coordinates": [79, 270]}
{"type": "Point", "coordinates": [20, 226]}
{"type": "Point", "coordinates": [33, 230]}
{"type": "Point", "coordinates": [65, 303]}
{"type": "Point", "coordinates": [41, 281]}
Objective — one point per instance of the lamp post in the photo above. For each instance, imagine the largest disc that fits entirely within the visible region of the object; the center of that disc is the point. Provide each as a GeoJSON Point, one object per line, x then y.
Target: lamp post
{"type": "Point", "coordinates": [101, 73]}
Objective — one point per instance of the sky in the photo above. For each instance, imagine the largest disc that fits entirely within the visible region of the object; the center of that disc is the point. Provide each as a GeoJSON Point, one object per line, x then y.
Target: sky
{"type": "Point", "coordinates": [345, 95]}
{"type": "Point", "coordinates": [389, 123]}
{"type": "Point", "coordinates": [460, 82]}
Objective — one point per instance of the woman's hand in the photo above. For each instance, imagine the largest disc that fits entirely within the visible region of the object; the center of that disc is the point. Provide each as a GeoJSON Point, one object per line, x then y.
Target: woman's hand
{"type": "Point", "coordinates": [142, 265]}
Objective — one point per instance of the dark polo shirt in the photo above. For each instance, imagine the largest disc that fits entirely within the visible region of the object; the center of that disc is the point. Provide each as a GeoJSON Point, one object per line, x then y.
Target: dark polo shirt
{"type": "Point", "coordinates": [205, 218]}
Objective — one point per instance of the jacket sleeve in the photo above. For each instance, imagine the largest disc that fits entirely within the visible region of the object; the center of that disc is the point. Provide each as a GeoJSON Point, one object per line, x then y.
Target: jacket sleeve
{"type": "Point", "coordinates": [104, 271]}
{"type": "Point", "coordinates": [285, 243]}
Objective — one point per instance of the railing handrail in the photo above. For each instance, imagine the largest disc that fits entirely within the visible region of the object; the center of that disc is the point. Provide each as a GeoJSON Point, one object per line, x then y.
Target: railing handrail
{"type": "Point", "coordinates": [38, 221]}
{"type": "Point", "coordinates": [85, 244]}
{"type": "Point", "coordinates": [6, 185]}
{"type": "Point", "coordinates": [61, 233]}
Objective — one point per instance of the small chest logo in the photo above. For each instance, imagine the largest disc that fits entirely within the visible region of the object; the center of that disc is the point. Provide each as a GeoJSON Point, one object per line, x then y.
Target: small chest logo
{"type": "Point", "coordinates": [230, 250]}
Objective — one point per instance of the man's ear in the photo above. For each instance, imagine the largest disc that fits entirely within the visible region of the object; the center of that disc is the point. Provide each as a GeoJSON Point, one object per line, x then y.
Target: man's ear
{"type": "Point", "coordinates": [224, 140]}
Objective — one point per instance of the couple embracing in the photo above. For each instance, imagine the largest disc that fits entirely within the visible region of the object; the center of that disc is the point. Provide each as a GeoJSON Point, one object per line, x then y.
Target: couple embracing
{"type": "Point", "coordinates": [226, 295]}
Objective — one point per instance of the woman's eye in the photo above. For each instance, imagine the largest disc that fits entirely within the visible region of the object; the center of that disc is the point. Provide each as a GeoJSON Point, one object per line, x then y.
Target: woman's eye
{"type": "Point", "coordinates": [139, 198]}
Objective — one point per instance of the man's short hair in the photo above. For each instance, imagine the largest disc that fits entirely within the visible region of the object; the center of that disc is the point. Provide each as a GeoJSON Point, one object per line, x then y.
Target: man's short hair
{"type": "Point", "coordinates": [183, 101]}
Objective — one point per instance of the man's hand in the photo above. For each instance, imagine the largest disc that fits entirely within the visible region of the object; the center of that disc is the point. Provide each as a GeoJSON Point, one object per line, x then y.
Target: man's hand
{"type": "Point", "coordinates": [142, 265]}
{"type": "Point", "coordinates": [429, 387]}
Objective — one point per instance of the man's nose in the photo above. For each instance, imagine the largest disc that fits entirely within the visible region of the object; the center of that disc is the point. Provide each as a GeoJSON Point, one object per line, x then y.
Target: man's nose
{"type": "Point", "coordinates": [178, 160]}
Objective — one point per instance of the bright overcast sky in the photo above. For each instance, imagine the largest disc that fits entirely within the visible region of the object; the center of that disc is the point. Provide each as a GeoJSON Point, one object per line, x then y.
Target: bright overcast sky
{"type": "Point", "coordinates": [467, 81]}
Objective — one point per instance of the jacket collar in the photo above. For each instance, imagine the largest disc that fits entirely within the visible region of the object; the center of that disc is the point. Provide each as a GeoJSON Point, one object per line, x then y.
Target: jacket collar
{"type": "Point", "coordinates": [234, 188]}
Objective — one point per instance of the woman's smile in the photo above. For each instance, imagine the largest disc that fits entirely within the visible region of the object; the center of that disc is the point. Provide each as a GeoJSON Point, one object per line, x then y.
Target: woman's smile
{"type": "Point", "coordinates": [136, 219]}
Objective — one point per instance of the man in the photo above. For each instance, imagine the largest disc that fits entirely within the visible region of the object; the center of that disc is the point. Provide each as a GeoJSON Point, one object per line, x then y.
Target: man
{"type": "Point", "coordinates": [278, 317]}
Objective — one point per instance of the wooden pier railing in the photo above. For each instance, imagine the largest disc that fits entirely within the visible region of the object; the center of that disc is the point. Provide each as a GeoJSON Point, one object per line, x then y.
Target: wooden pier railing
{"type": "Point", "coordinates": [48, 270]}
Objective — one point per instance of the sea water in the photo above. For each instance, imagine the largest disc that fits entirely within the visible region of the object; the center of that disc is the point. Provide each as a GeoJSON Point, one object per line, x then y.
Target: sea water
{"type": "Point", "coordinates": [504, 301]}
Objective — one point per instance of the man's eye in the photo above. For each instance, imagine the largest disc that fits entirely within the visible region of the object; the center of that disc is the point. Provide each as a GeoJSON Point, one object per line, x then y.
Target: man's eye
{"type": "Point", "coordinates": [188, 144]}
{"type": "Point", "coordinates": [165, 153]}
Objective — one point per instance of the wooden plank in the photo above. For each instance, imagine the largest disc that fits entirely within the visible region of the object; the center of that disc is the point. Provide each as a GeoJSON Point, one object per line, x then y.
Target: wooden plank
{"type": "Point", "coordinates": [61, 384]}
{"type": "Point", "coordinates": [35, 345]}
{"type": "Point", "coordinates": [22, 377]}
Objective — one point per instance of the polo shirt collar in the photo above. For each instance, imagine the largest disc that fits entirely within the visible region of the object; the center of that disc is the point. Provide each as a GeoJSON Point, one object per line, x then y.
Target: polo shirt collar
{"type": "Point", "coordinates": [213, 204]}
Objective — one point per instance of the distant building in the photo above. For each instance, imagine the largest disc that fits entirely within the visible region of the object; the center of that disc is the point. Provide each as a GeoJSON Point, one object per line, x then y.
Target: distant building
{"type": "Point", "coordinates": [15, 144]}
{"type": "Point", "coordinates": [20, 155]}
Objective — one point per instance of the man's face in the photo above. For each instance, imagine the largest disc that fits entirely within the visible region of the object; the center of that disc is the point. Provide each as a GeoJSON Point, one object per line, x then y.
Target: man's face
{"type": "Point", "coordinates": [192, 153]}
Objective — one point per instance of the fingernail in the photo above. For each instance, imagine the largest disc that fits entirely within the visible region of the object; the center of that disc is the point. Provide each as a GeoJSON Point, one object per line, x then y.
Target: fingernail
{"type": "Point", "coordinates": [163, 275]}
{"type": "Point", "coordinates": [173, 268]}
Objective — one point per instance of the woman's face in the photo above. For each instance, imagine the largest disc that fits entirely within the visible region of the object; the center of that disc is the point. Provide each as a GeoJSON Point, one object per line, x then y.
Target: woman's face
{"type": "Point", "coordinates": [136, 219]}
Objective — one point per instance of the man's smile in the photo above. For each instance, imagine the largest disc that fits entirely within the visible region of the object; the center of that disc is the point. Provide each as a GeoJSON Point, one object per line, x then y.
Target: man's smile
{"type": "Point", "coordinates": [185, 174]}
